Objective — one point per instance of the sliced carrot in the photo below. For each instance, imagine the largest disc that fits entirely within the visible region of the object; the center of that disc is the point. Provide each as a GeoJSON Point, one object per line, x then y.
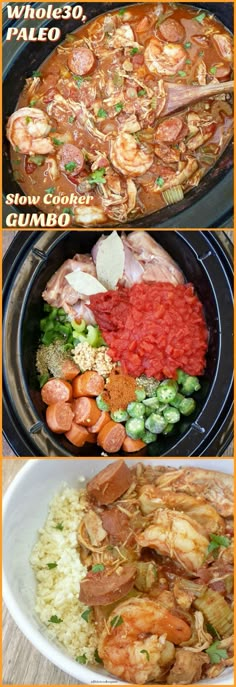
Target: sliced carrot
{"type": "Point", "coordinates": [56, 390]}
{"type": "Point", "coordinates": [77, 434]}
{"type": "Point", "coordinates": [59, 417]}
{"type": "Point", "coordinates": [132, 445]}
{"type": "Point", "coordinates": [89, 383]}
{"type": "Point", "coordinates": [111, 436]}
{"type": "Point", "coordinates": [91, 438]}
{"type": "Point", "coordinates": [101, 422]}
{"type": "Point", "coordinates": [86, 411]}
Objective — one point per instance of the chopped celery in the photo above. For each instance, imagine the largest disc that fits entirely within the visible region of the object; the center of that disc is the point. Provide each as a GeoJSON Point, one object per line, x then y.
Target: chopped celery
{"type": "Point", "coordinates": [79, 328]}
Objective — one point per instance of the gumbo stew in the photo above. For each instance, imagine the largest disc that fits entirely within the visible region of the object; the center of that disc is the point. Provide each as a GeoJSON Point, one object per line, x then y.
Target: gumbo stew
{"type": "Point", "coordinates": [89, 122]}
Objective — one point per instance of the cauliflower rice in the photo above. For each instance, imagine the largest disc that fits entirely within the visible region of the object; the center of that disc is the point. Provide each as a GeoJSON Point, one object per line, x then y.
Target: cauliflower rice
{"type": "Point", "coordinates": [58, 586]}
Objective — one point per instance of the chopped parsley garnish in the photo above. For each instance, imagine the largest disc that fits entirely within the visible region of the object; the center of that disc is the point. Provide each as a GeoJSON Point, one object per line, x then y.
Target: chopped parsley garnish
{"type": "Point", "coordinates": [160, 181]}
{"type": "Point", "coordinates": [102, 113]}
{"type": "Point", "coordinates": [37, 159]}
{"type": "Point", "coordinates": [97, 177]}
{"type": "Point", "coordinates": [201, 53]}
{"type": "Point", "coordinates": [17, 162]}
{"type": "Point", "coordinates": [71, 119]}
{"type": "Point", "coordinates": [98, 567]}
{"type": "Point", "coordinates": [51, 189]}
{"type": "Point", "coordinates": [119, 107]}
{"type": "Point", "coordinates": [142, 92]}
{"type": "Point", "coordinates": [133, 51]}
{"type": "Point", "coordinates": [215, 653]}
{"type": "Point", "coordinates": [79, 80]}
{"type": "Point", "coordinates": [211, 629]}
{"type": "Point", "coordinates": [213, 70]}
{"type": "Point", "coordinates": [97, 657]}
{"type": "Point", "coordinates": [121, 11]}
{"type": "Point", "coordinates": [70, 166]}
{"type": "Point", "coordinates": [55, 619]}
{"type": "Point", "coordinates": [188, 45]}
{"type": "Point", "coordinates": [188, 61]}
{"type": "Point", "coordinates": [85, 615]}
{"type": "Point", "coordinates": [68, 211]}
{"type": "Point", "coordinates": [70, 38]}
{"type": "Point", "coordinates": [60, 524]}
{"type": "Point", "coordinates": [51, 565]}
{"type": "Point", "coordinates": [181, 73]}
{"type": "Point", "coordinates": [36, 73]}
{"type": "Point", "coordinates": [200, 17]}
{"type": "Point", "coordinates": [216, 540]}
{"type": "Point", "coordinates": [33, 102]}
{"type": "Point", "coordinates": [144, 651]}
{"type": "Point", "coordinates": [82, 659]}
{"type": "Point", "coordinates": [116, 621]}
{"type": "Point", "coordinates": [28, 120]}
{"type": "Point", "coordinates": [17, 149]}
{"type": "Point", "coordinates": [57, 142]}
{"type": "Point", "coordinates": [16, 175]}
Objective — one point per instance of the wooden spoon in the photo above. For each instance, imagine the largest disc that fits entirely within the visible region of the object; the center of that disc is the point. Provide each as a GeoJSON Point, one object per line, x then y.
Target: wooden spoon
{"type": "Point", "coordinates": [178, 95]}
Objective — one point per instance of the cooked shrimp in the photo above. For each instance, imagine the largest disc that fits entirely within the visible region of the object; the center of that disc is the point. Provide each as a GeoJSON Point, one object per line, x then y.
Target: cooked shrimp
{"type": "Point", "coordinates": [216, 487]}
{"type": "Point", "coordinates": [27, 131]}
{"type": "Point", "coordinates": [164, 58]}
{"type": "Point", "coordinates": [152, 498]}
{"type": "Point", "coordinates": [178, 536]}
{"type": "Point", "coordinates": [127, 157]}
{"type": "Point", "coordinates": [137, 643]}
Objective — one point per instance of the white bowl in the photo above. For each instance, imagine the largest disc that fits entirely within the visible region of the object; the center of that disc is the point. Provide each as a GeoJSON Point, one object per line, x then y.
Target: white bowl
{"type": "Point", "coordinates": [25, 508]}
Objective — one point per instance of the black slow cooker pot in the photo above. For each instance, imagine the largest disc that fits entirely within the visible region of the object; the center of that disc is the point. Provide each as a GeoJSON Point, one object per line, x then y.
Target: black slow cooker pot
{"type": "Point", "coordinates": [208, 205]}
{"type": "Point", "coordinates": [32, 259]}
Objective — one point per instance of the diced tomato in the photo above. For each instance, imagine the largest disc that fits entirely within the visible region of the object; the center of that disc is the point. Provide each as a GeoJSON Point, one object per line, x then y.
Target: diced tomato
{"type": "Point", "coordinates": [153, 328]}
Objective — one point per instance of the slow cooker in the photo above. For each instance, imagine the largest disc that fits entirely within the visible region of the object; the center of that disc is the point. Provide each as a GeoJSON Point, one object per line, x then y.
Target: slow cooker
{"type": "Point", "coordinates": [33, 257]}
{"type": "Point", "coordinates": [208, 205]}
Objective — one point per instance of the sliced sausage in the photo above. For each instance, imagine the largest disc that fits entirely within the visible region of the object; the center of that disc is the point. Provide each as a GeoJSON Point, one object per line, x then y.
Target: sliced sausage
{"type": "Point", "coordinates": [165, 153]}
{"type": "Point", "coordinates": [171, 30]}
{"type": "Point", "coordinates": [223, 72]}
{"type": "Point", "coordinates": [56, 390]}
{"type": "Point", "coordinates": [91, 438]}
{"type": "Point", "coordinates": [69, 369]}
{"type": "Point", "coordinates": [169, 130]}
{"type": "Point", "coordinates": [71, 159]}
{"type": "Point", "coordinates": [30, 167]}
{"type": "Point", "coordinates": [102, 589]}
{"type": "Point", "coordinates": [101, 422]}
{"type": "Point", "coordinates": [111, 437]}
{"type": "Point", "coordinates": [137, 60]}
{"type": "Point", "coordinates": [77, 434]}
{"type": "Point", "coordinates": [223, 45]}
{"type": "Point", "coordinates": [59, 417]}
{"type": "Point", "coordinates": [110, 483]}
{"type": "Point", "coordinates": [132, 445]}
{"type": "Point", "coordinates": [81, 61]}
{"type": "Point", "coordinates": [89, 383]}
{"type": "Point", "coordinates": [116, 525]}
{"type": "Point", "coordinates": [86, 411]}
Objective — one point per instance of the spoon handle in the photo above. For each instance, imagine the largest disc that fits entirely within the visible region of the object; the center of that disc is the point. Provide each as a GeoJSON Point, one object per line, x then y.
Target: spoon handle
{"type": "Point", "coordinates": [179, 96]}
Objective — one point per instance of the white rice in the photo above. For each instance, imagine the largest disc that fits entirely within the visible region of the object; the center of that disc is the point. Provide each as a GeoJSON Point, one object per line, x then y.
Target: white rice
{"type": "Point", "coordinates": [58, 588]}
